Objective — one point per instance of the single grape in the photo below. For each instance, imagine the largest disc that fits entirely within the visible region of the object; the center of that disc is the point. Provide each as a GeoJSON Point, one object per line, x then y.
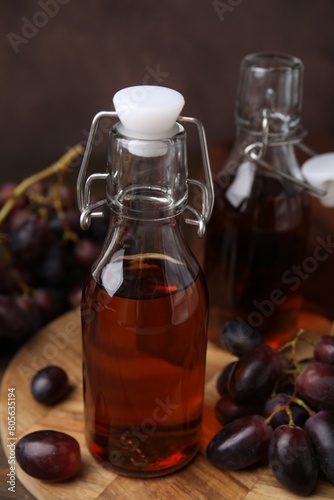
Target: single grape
{"type": "Point", "coordinates": [320, 429]}
{"type": "Point", "coordinates": [72, 218]}
{"type": "Point", "coordinates": [37, 189]}
{"type": "Point", "coordinates": [13, 320]}
{"type": "Point", "coordinates": [299, 414]}
{"type": "Point", "coordinates": [324, 350]}
{"type": "Point", "coordinates": [99, 228]}
{"type": "Point", "coordinates": [55, 225]}
{"type": "Point", "coordinates": [50, 302]}
{"type": "Point", "coordinates": [50, 385]}
{"type": "Point", "coordinates": [17, 218]}
{"type": "Point", "coordinates": [240, 443]}
{"type": "Point", "coordinates": [30, 239]}
{"type": "Point", "coordinates": [227, 410]}
{"type": "Point", "coordinates": [239, 338]}
{"type": "Point", "coordinates": [86, 251]}
{"type": "Point", "coordinates": [222, 381]}
{"type": "Point", "coordinates": [49, 455]}
{"type": "Point", "coordinates": [6, 190]}
{"type": "Point", "coordinates": [315, 384]}
{"type": "Point", "coordinates": [51, 269]}
{"type": "Point", "coordinates": [66, 197]}
{"type": "Point", "coordinates": [255, 374]}
{"type": "Point", "coordinates": [292, 459]}
{"type": "Point", "coordinates": [74, 296]}
{"type": "Point", "coordinates": [32, 312]}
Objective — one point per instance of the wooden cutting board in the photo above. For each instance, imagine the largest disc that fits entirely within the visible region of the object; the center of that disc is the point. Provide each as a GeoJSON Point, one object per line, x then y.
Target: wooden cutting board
{"type": "Point", "coordinates": [60, 343]}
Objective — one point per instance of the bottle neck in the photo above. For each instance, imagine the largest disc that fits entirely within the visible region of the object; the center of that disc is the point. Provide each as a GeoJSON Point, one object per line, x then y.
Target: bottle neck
{"type": "Point", "coordinates": [148, 178]}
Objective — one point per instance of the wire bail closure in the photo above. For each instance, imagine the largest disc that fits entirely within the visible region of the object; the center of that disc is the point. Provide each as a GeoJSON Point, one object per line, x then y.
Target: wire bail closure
{"type": "Point", "coordinates": [84, 184]}
{"type": "Point", "coordinates": [255, 152]}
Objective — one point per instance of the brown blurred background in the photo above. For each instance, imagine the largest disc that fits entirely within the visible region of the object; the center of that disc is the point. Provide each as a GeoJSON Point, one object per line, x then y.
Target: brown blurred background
{"type": "Point", "coordinates": [62, 61]}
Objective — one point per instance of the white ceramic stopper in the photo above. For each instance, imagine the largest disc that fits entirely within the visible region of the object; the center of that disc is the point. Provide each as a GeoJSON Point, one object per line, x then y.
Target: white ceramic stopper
{"type": "Point", "coordinates": [319, 171]}
{"type": "Point", "coordinates": [148, 112]}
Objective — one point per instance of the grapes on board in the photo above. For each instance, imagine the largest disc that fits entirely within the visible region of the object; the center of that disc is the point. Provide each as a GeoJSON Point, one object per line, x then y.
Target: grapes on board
{"type": "Point", "coordinates": [277, 409]}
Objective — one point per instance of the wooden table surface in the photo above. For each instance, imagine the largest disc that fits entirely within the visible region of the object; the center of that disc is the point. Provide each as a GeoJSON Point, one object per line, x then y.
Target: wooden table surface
{"type": "Point", "coordinates": [59, 343]}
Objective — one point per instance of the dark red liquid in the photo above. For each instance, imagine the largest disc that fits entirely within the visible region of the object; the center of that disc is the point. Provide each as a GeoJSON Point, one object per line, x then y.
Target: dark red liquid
{"type": "Point", "coordinates": [144, 365]}
{"type": "Point", "coordinates": [249, 259]}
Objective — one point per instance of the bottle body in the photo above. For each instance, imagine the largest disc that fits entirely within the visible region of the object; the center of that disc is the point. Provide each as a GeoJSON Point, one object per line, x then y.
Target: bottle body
{"type": "Point", "coordinates": [144, 317]}
{"type": "Point", "coordinates": [144, 362]}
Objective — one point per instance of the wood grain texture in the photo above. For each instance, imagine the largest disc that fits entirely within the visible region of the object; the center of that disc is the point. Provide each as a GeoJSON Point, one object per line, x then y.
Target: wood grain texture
{"type": "Point", "coordinates": [60, 343]}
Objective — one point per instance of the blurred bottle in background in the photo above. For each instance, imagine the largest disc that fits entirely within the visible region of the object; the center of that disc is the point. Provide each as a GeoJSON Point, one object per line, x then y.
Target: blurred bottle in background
{"type": "Point", "coordinates": [257, 236]}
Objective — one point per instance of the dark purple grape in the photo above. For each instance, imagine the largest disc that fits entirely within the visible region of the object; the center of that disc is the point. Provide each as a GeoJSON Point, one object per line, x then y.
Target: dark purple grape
{"type": "Point", "coordinates": [32, 312]}
{"type": "Point", "coordinates": [50, 302]}
{"type": "Point", "coordinates": [17, 218]}
{"type": "Point", "coordinates": [86, 251]}
{"type": "Point", "coordinates": [49, 455]}
{"type": "Point", "coordinates": [37, 189]}
{"type": "Point", "coordinates": [299, 414]}
{"type": "Point", "coordinates": [324, 350]}
{"type": "Point", "coordinates": [292, 459]}
{"type": "Point", "coordinates": [99, 227]}
{"type": "Point", "coordinates": [30, 239]}
{"type": "Point", "coordinates": [320, 429]}
{"type": "Point", "coordinates": [72, 218]}
{"type": "Point", "coordinates": [50, 385]}
{"type": "Point", "coordinates": [75, 295]}
{"type": "Point", "coordinates": [241, 443]}
{"type": "Point", "coordinates": [239, 338]}
{"type": "Point", "coordinates": [315, 384]}
{"type": "Point", "coordinates": [6, 190]}
{"type": "Point", "coordinates": [65, 194]}
{"type": "Point", "coordinates": [51, 269]}
{"type": "Point", "coordinates": [222, 380]}
{"type": "Point", "coordinates": [13, 320]}
{"type": "Point", "coordinates": [227, 410]}
{"type": "Point", "coordinates": [56, 226]}
{"type": "Point", "coordinates": [255, 374]}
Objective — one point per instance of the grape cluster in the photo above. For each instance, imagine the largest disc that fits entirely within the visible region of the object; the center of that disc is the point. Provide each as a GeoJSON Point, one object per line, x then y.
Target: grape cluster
{"type": "Point", "coordinates": [275, 408]}
{"type": "Point", "coordinates": [44, 255]}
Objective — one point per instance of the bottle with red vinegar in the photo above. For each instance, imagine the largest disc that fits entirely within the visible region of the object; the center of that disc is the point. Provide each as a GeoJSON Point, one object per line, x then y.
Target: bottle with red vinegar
{"type": "Point", "coordinates": [257, 236]}
{"type": "Point", "coordinates": [145, 304]}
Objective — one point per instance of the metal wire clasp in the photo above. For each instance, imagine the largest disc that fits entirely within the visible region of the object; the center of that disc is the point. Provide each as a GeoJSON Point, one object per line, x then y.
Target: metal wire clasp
{"type": "Point", "coordinates": [84, 186]}
{"type": "Point", "coordinates": [201, 218]}
{"type": "Point", "coordinates": [255, 152]}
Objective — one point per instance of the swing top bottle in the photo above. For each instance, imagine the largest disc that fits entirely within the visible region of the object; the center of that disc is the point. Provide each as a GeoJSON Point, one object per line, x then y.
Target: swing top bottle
{"type": "Point", "coordinates": [258, 231]}
{"type": "Point", "coordinates": [144, 310]}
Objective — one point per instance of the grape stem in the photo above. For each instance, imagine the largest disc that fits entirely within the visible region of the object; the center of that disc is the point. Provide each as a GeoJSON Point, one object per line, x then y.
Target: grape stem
{"type": "Point", "coordinates": [292, 344]}
{"type": "Point", "coordinates": [287, 409]}
{"type": "Point", "coordinates": [59, 166]}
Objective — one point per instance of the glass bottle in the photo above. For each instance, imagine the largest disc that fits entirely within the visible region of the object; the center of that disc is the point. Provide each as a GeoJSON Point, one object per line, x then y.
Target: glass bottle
{"type": "Point", "coordinates": [257, 235]}
{"type": "Point", "coordinates": [145, 305]}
